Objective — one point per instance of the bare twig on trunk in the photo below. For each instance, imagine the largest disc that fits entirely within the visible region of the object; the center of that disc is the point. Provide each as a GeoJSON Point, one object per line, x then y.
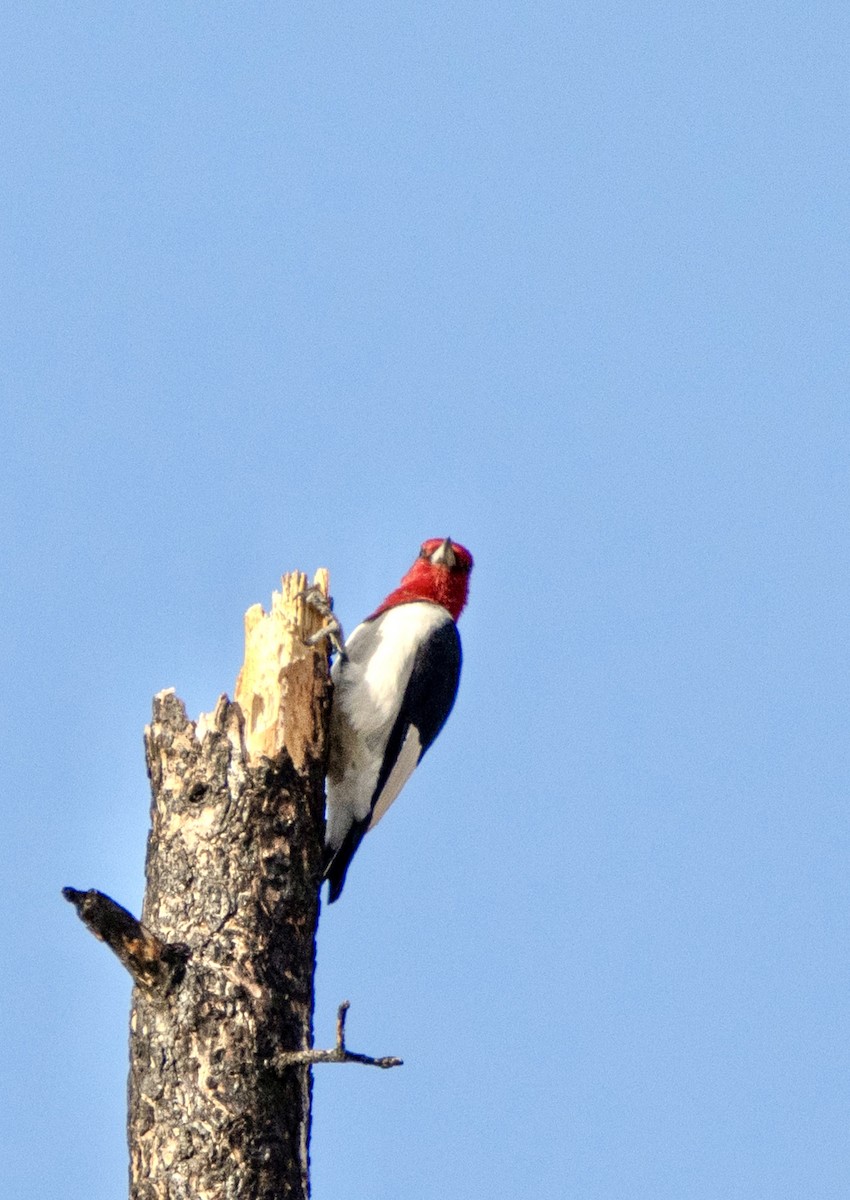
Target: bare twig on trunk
{"type": "Point", "coordinates": [339, 1054]}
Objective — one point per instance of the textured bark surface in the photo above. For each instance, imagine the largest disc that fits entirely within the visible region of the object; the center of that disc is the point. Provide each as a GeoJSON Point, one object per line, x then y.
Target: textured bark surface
{"type": "Point", "coordinates": [233, 869]}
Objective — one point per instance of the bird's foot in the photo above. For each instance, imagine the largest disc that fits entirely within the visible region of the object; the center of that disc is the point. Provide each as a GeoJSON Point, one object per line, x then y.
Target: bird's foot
{"type": "Point", "coordinates": [315, 598]}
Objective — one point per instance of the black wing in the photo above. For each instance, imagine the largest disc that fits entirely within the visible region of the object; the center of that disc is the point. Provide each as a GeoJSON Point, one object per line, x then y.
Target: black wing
{"type": "Point", "coordinates": [428, 699]}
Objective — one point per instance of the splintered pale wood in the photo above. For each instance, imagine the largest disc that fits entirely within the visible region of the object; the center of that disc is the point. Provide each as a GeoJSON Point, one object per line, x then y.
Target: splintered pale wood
{"type": "Point", "coordinates": [278, 683]}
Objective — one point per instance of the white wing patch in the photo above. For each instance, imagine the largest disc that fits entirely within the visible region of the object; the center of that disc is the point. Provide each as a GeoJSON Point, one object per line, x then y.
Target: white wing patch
{"type": "Point", "coordinates": [404, 767]}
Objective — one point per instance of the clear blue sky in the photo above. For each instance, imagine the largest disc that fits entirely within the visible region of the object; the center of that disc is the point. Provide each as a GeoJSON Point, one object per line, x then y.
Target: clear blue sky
{"type": "Point", "coordinates": [289, 288]}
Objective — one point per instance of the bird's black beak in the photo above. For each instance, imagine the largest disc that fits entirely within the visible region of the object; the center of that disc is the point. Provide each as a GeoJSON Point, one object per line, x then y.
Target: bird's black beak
{"type": "Point", "coordinates": [444, 555]}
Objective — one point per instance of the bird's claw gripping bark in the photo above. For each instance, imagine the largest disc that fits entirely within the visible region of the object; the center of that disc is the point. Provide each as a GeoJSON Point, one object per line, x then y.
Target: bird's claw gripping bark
{"type": "Point", "coordinates": [315, 598]}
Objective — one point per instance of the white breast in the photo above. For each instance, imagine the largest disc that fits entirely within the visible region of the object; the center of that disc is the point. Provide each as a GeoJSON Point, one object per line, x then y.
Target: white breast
{"type": "Point", "coordinates": [368, 687]}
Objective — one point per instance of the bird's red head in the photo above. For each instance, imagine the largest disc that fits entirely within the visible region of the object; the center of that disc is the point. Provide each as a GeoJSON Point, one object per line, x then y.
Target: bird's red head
{"type": "Point", "coordinates": [440, 575]}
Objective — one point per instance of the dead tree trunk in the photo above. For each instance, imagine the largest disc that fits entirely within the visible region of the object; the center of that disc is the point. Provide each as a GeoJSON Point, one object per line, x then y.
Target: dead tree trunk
{"type": "Point", "coordinates": [233, 868]}
{"type": "Point", "coordinates": [223, 960]}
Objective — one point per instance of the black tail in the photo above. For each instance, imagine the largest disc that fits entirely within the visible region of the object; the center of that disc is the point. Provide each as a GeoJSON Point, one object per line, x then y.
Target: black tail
{"type": "Point", "coordinates": [338, 861]}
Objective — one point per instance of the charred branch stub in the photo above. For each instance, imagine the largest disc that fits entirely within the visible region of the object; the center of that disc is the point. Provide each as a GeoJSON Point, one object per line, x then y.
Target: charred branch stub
{"type": "Point", "coordinates": [155, 965]}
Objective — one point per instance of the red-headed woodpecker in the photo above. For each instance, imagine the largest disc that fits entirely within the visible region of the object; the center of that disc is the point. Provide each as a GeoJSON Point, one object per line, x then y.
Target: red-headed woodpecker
{"type": "Point", "coordinates": [394, 686]}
